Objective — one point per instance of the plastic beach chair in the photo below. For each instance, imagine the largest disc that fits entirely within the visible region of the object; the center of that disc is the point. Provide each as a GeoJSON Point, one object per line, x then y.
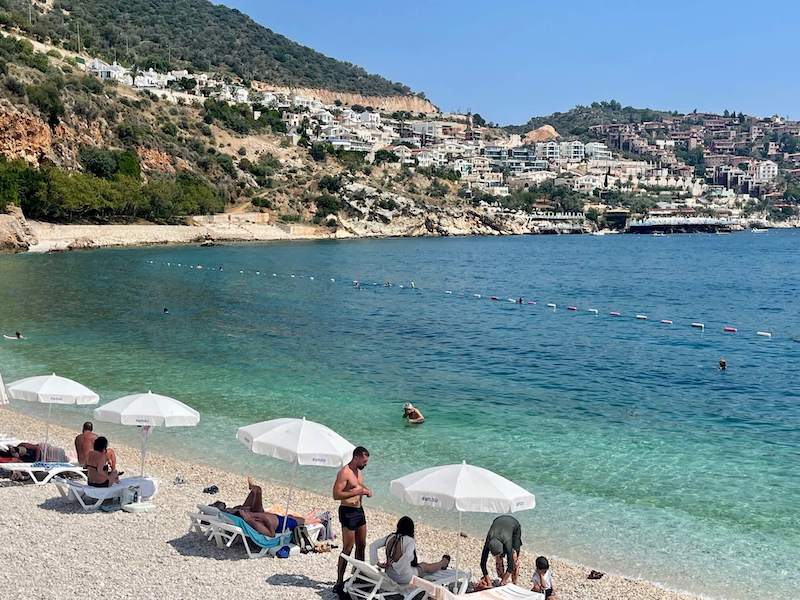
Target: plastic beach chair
{"type": "Point", "coordinates": [42, 473]}
{"type": "Point", "coordinates": [90, 498]}
{"type": "Point", "coordinates": [505, 592]}
{"type": "Point", "coordinates": [369, 583]}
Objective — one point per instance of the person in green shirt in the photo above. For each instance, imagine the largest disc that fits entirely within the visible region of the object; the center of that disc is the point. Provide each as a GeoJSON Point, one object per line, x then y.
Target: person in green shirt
{"type": "Point", "coordinates": [504, 541]}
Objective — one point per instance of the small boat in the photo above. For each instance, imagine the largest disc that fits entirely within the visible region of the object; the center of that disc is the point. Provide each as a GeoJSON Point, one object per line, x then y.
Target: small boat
{"type": "Point", "coordinates": [659, 234]}
{"type": "Point", "coordinates": [759, 230]}
{"type": "Point", "coordinates": [722, 232]}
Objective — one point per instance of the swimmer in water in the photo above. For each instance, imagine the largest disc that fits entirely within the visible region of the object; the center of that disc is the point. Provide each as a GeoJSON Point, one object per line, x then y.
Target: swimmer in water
{"type": "Point", "coordinates": [520, 301]}
{"type": "Point", "coordinates": [723, 364]}
{"type": "Point", "coordinates": [166, 310]}
{"type": "Point", "coordinates": [19, 336]}
{"type": "Point", "coordinates": [413, 414]}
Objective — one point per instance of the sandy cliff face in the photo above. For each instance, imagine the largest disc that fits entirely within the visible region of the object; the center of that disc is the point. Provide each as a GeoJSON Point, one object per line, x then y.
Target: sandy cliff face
{"type": "Point", "coordinates": [545, 133]}
{"type": "Point", "coordinates": [385, 103]}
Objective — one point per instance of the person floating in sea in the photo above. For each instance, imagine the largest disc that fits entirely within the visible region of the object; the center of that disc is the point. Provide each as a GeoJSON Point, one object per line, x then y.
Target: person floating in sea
{"type": "Point", "coordinates": [723, 364]}
{"type": "Point", "coordinates": [504, 540]}
{"type": "Point", "coordinates": [357, 285]}
{"type": "Point", "coordinates": [349, 490]}
{"type": "Point", "coordinates": [166, 310]}
{"type": "Point", "coordinates": [387, 284]}
{"type": "Point", "coordinates": [413, 414]}
{"type": "Point", "coordinates": [521, 300]}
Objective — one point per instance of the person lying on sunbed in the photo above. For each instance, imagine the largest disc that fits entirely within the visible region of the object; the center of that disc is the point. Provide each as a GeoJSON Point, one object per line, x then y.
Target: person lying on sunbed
{"type": "Point", "coordinates": [252, 511]}
{"type": "Point", "coordinates": [401, 555]}
{"type": "Point", "coordinates": [24, 452]}
{"type": "Point", "coordinates": [100, 468]}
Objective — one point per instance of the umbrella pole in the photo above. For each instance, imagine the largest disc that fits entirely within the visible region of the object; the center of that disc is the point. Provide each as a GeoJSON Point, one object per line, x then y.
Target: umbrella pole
{"type": "Point", "coordinates": [145, 436]}
{"type": "Point", "coordinates": [289, 498]}
{"type": "Point", "coordinates": [43, 458]}
{"type": "Point", "coordinates": [458, 551]}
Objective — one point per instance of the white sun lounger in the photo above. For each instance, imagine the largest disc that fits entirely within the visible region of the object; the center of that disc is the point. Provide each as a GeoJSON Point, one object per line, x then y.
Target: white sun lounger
{"type": "Point", "coordinates": [370, 583]}
{"type": "Point", "coordinates": [224, 533]}
{"type": "Point", "coordinates": [42, 473]}
{"type": "Point", "coordinates": [505, 592]}
{"type": "Point", "coordinates": [90, 498]}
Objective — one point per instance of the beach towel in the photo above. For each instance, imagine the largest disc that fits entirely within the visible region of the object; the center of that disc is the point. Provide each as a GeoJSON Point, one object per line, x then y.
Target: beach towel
{"type": "Point", "coordinates": [47, 466]}
{"type": "Point", "coordinates": [258, 538]}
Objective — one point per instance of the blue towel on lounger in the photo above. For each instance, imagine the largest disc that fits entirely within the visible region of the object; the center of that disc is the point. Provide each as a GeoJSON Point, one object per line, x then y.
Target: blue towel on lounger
{"type": "Point", "coordinates": [258, 538]}
{"type": "Point", "coordinates": [46, 466]}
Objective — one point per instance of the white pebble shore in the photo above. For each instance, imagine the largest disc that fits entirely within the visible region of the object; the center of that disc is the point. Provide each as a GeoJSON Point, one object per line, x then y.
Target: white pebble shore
{"type": "Point", "coordinates": [51, 549]}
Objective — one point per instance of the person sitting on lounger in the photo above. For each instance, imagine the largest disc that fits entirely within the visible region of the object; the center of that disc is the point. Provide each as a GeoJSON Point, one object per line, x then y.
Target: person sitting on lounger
{"type": "Point", "coordinates": [84, 443]}
{"type": "Point", "coordinates": [401, 555]}
{"type": "Point", "coordinates": [100, 470]}
{"type": "Point", "coordinates": [252, 511]}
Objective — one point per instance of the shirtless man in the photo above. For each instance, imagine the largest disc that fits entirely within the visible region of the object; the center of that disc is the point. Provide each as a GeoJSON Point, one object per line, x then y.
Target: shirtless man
{"type": "Point", "coordinates": [349, 489]}
{"type": "Point", "coordinates": [413, 414]}
{"type": "Point", "coordinates": [84, 443]}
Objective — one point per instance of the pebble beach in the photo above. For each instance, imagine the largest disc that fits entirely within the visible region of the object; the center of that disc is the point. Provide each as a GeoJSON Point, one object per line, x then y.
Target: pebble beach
{"type": "Point", "coordinates": [52, 549]}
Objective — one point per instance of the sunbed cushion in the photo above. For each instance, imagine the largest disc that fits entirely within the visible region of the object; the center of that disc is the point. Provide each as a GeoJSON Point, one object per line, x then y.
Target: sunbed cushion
{"type": "Point", "coordinates": [258, 538]}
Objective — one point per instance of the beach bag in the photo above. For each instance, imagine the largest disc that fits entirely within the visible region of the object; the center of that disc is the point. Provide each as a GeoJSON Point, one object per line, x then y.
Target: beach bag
{"type": "Point", "coordinates": [301, 539]}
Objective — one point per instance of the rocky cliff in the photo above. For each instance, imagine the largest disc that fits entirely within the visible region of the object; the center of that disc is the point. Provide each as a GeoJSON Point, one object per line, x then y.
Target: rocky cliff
{"type": "Point", "coordinates": [15, 234]}
{"type": "Point", "coordinates": [369, 212]}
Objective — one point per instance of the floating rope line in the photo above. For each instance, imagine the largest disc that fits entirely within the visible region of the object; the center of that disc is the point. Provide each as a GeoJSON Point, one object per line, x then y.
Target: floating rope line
{"type": "Point", "coordinates": [359, 285]}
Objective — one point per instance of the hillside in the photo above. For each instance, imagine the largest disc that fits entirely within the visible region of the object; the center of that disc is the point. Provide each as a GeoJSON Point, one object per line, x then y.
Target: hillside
{"type": "Point", "coordinates": [193, 34]}
{"type": "Point", "coordinates": [576, 121]}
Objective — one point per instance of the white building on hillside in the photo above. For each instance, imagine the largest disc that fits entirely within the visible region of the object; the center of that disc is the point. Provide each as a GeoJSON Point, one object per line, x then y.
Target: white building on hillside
{"type": "Point", "coordinates": [548, 150]}
{"type": "Point", "coordinates": [572, 151]}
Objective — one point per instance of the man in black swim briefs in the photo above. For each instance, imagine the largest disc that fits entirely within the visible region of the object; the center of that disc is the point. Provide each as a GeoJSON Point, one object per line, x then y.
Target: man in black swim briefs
{"type": "Point", "coordinates": [349, 489]}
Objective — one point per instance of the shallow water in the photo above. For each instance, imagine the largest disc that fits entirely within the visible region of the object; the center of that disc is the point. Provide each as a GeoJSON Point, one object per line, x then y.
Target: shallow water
{"type": "Point", "coordinates": [645, 459]}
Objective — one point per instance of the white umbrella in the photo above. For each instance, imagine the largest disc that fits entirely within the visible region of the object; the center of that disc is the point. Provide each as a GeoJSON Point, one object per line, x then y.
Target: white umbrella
{"type": "Point", "coordinates": [298, 442]}
{"type": "Point", "coordinates": [51, 389]}
{"type": "Point", "coordinates": [147, 411]}
{"type": "Point", "coordinates": [463, 488]}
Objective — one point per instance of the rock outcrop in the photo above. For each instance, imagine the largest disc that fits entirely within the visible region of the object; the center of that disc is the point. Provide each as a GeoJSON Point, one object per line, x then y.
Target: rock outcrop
{"type": "Point", "coordinates": [545, 133]}
{"type": "Point", "coordinates": [15, 235]}
{"type": "Point", "coordinates": [369, 212]}
{"type": "Point", "coordinates": [24, 135]}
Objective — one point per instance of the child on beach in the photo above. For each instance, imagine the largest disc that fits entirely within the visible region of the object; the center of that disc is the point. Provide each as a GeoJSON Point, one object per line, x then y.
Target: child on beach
{"type": "Point", "coordinates": [542, 579]}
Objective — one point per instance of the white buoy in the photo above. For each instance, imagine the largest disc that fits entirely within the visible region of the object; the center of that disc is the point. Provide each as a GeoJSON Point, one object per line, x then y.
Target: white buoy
{"type": "Point", "coordinates": [551, 305]}
{"type": "Point", "coordinates": [615, 313]}
{"type": "Point", "coordinates": [199, 266]}
{"type": "Point", "coordinates": [311, 278]}
{"type": "Point", "coordinates": [512, 300]}
{"type": "Point", "coordinates": [698, 326]}
{"type": "Point", "coordinates": [476, 295]}
{"type": "Point", "coordinates": [594, 311]}
{"type": "Point", "coordinates": [274, 274]}
{"type": "Point", "coordinates": [333, 280]}
{"type": "Point", "coordinates": [448, 292]}
{"type": "Point", "coordinates": [666, 321]}
{"type": "Point", "coordinates": [241, 271]}
{"type": "Point", "coordinates": [258, 272]}
{"type": "Point", "coordinates": [764, 334]}
{"type": "Point", "coordinates": [642, 317]}
{"type": "Point", "coordinates": [292, 276]}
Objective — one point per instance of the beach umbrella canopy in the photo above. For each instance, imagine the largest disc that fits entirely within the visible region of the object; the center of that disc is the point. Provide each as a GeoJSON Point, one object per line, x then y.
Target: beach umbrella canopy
{"type": "Point", "coordinates": [51, 389]}
{"type": "Point", "coordinates": [147, 411]}
{"type": "Point", "coordinates": [463, 488]}
{"type": "Point", "coordinates": [299, 442]}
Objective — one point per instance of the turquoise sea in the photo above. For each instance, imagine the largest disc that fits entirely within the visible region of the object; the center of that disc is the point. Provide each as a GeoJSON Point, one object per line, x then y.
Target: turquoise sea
{"type": "Point", "coordinates": [645, 458]}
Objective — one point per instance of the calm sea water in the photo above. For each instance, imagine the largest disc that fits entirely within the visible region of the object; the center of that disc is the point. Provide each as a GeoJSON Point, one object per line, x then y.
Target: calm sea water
{"type": "Point", "coordinates": [644, 457]}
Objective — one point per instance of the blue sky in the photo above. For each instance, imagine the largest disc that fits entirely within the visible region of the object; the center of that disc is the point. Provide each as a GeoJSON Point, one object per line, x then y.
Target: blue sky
{"type": "Point", "coordinates": [509, 60]}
